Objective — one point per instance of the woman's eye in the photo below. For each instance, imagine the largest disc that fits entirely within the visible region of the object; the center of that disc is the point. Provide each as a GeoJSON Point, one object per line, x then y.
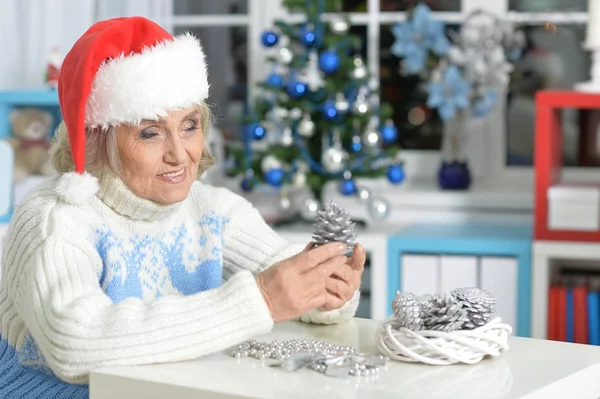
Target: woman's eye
{"type": "Point", "coordinates": [190, 126]}
{"type": "Point", "coordinates": [147, 134]}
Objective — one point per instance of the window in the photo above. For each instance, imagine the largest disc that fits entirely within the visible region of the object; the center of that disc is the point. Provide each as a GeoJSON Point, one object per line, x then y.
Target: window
{"type": "Point", "coordinates": [553, 59]}
{"type": "Point", "coordinates": [499, 148]}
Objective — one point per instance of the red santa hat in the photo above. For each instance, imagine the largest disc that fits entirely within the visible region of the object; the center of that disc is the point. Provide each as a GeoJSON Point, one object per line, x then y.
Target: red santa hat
{"type": "Point", "coordinates": [124, 70]}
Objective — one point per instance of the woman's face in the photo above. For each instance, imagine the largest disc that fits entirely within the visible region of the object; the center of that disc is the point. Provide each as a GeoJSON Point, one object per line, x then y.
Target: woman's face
{"type": "Point", "coordinates": [159, 159]}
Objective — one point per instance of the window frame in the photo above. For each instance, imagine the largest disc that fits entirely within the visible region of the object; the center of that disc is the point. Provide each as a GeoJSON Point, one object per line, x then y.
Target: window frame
{"type": "Point", "coordinates": [488, 164]}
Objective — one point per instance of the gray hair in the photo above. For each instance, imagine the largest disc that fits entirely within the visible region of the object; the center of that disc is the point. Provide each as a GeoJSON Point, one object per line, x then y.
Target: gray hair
{"type": "Point", "coordinates": [101, 153]}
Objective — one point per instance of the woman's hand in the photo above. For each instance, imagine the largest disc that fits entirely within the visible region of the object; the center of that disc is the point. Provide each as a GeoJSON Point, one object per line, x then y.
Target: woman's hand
{"type": "Point", "coordinates": [342, 283]}
{"type": "Point", "coordinates": [298, 285]}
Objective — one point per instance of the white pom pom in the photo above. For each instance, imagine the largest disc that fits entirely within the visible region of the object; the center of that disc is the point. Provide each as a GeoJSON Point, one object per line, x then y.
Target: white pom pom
{"type": "Point", "coordinates": [77, 189]}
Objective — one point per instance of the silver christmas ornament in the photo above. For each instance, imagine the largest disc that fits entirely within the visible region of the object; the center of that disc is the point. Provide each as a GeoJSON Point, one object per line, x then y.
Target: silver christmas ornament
{"type": "Point", "coordinates": [285, 55]}
{"type": "Point", "coordinates": [334, 159]}
{"type": "Point", "coordinates": [407, 311]}
{"type": "Point", "coordinates": [341, 104]}
{"type": "Point", "coordinates": [479, 304]}
{"type": "Point", "coordinates": [286, 138]}
{"type": "Point", "coordinates": [360, 70]}
{"type": "Point", "coordinates": [360, 106]}
{"type": "Point", "coordinates": [333, 224]}
{"type": "Point", "coordinates": [379, 208]}
{"type": "Point", "coordinates": [310, 208]}
{"type": "Point", "coordinates": [306, 127]}
{"type": "Point", "coordinates": [324, 357]}
{"type": "Point", "coordinates": [339, 26]}
{"type": "Point", "coordinates": [443, 313]}
{"type": "Point", "coordinates": [299, 179]}
{"type": "Point", "coordinates": [285, 203]}
{"type": "Point", "coordinates": [371, 138]}
{"type": "Point", "coordinates": [364, 194]}
{"type": "Point", "coordinates": [269, 162]}
{"type": "Point", "coordinates": [296, 113]}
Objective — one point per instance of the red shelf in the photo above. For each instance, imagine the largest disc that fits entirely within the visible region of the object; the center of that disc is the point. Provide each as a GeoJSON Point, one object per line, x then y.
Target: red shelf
{"type": "Point", "coordinates": [548, 157]}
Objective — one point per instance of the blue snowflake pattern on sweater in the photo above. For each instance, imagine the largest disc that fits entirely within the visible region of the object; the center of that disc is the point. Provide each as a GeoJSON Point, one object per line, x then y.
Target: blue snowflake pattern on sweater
{"type": "Point", "coordinates": [183, 260]}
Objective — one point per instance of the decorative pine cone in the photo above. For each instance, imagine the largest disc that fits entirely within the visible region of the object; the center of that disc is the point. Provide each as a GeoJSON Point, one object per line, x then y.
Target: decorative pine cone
{"type": "Point", "coordinates": [333, 224]}
{"type": "Point", "coordinates": [479, 304]}
{"type": "Point", "coordinates": [442, 312]}
{"type": "Point", "coordinates": [407, 310]}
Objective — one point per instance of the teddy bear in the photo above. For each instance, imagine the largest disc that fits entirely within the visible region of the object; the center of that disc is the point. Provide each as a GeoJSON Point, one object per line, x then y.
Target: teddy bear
{"type": "Point", "coordinates": [30, 129]}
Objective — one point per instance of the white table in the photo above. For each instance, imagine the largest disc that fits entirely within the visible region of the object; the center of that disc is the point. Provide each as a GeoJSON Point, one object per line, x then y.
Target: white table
{"type": "Point", "coordinates": [531, 369]}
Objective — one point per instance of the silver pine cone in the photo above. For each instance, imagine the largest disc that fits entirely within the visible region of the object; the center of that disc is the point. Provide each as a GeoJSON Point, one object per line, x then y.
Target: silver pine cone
{"type": "Point", "coordinates": [479, 304]}
{"type": "Point", "coordinates": [407, 311]}
{"type": "Point", "coordinates": [333, 224]}
{"type": "Point", "coordinates": [442, 312]}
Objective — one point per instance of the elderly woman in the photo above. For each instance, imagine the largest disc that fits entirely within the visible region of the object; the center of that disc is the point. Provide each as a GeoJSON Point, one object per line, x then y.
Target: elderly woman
{"type": "Point", "coordinates": [125, 258]}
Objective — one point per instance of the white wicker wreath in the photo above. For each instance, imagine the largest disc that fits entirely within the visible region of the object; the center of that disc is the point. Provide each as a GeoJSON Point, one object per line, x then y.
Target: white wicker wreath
{"type": "Point", "coordinates": [443, 348]}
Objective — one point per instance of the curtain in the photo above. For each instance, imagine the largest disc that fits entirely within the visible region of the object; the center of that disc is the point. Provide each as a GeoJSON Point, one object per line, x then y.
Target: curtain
{"type": "Point", "coordinates": [29, 29]}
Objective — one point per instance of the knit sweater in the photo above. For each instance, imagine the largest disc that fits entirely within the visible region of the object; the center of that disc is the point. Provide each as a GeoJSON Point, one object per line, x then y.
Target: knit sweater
{"type": "Point", "coordinates": [124, 281]}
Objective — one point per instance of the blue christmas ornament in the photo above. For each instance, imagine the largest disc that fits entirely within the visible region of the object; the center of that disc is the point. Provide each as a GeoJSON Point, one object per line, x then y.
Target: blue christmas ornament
{"type": "Point", "coordinates": [347, 187]}
{"type": "Point", "coordinates": [395, 173]}
{"type": "Point", "coordinates": [275, 80]}
{"type": "Point", "coordinates": [274, 177]}
{"type": "Point", "coordinates": [389, 133]}
{"type": "Point", "coordinates": [329, 61]}
{"type": "Point", "coordinates": [296, 89]}
{"type": "Point", "coordinates": [356, 145]}
{"type": "Point", "coordinates": [269, 38]}
{"type": "Point", "coordinates": [246, 184]}
{"type": "Point", "coordinates": [308, 37]}
{"type": "Point", "coordinates": [329, 110]}
{"type": "Point", "coordinates": [255, 131]}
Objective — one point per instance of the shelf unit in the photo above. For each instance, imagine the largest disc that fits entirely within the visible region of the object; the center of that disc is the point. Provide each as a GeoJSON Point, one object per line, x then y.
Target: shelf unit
{"type": "Point", "coordinates": [545, 255]}
{"type": "Point", "coordinates": [46, 99]}
{"type": "Point", "coordinates": [548, 158]}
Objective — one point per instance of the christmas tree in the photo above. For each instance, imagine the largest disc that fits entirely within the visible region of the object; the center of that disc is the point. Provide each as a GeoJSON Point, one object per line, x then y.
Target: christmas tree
{"type": "Point", "coordinates": [317, 115]}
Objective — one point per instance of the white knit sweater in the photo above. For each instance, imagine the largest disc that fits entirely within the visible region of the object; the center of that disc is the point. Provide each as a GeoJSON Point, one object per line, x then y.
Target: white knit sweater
{"type": "Point", "coordinates": [124, 281]}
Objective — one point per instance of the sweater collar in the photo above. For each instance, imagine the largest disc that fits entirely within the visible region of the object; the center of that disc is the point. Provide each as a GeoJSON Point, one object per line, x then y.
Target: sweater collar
{"type": "Point", "coordinates": [117, 196]}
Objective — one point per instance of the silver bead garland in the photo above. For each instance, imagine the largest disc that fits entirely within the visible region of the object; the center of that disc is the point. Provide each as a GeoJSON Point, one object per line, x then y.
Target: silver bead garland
{"type": "Point", "coordinates": [324, 357]}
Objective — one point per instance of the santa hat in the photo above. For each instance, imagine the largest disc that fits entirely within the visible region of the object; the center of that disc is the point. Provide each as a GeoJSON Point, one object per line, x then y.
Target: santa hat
{"type": "Point", "coordinates": [124, 70]}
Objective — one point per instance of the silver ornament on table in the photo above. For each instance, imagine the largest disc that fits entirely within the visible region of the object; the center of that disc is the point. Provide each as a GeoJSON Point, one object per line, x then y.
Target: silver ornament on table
{"type": "Point", "coordinates": [309, 209]}
{"type": "Point", "coordinates": [479, 304]}
{"type": "Point", "coordinates": [321, 356]}
{"type": "Point", "coordinates": [442, 312]}
{"type": "Point", "coordinates": [333, 224]}
{"type": "Point", "coordinates": [406, 307]}
{"type": "Point", "coordinates": [364, 193]}
{"type": "Point", "coordinates": [360, 70]}
{"type": "Point", "coordinates": [339, 26]}
{"type": "Point", "coordinates": [334, 159]}
{"type": "Point", "coordinates": [306, 127]}
{"type": "Point", "coordinates": [284, 202]}
{"type": "Point", "coordinates": [379, 208]}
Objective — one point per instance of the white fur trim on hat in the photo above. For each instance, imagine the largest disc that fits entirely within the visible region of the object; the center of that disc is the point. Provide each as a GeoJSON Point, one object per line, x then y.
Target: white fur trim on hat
{"type": "Point", "coordinates": [77, 189]}
{"type": "Point", "coordinates": [171, 75]}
